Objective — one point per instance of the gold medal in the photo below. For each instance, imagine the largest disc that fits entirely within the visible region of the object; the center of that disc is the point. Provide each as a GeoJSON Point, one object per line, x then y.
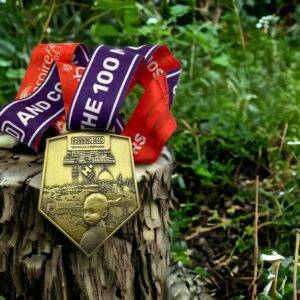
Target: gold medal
{"type": "Point", "coordinates": [88, 189]}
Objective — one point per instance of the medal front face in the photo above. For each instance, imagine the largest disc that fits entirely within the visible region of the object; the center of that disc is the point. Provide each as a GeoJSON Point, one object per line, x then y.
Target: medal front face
{"type": "Point", "coordinates": [88, 188]}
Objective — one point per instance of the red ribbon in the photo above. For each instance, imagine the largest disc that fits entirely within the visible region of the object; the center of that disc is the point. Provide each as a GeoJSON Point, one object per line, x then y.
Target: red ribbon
{"type": "Point", "coordinates": [150, 125]}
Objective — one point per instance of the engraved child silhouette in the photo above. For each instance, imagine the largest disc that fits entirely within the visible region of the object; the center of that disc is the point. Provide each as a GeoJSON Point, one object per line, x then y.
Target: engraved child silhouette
{"type": "Point", "coordinates": [95, 210]}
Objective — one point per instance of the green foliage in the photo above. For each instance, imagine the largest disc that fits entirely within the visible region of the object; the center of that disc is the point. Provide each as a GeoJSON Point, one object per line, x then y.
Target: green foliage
{"type": "Point", "coordinates": [236, 109]}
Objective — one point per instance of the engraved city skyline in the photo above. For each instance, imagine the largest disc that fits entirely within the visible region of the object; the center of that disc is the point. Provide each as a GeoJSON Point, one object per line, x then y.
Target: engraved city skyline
{"type": "Point", "coordinates": [62, 198]}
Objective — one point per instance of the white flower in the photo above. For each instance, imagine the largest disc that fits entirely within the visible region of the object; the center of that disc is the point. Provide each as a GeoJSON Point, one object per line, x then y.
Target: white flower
{"type": "Point", "coordinates": [267, 22]}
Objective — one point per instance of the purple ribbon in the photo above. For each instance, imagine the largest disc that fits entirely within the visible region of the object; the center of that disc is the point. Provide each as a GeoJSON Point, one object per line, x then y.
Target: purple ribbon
{"type": "Point", "coordinates": [98, 99]}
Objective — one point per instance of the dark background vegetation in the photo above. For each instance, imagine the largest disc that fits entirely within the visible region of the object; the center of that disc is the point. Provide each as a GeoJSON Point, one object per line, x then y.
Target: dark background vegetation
{"type": "Point", "coordinates": [237, 107]}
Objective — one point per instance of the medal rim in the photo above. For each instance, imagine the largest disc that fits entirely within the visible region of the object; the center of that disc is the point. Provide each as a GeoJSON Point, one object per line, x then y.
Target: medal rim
{"type": "Point", "coordinates": [48, 140]}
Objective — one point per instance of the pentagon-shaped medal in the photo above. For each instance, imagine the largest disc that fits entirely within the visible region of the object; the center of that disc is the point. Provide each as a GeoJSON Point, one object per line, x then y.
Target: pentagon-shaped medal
{"type": "Point", "coordinates": [88, 187]}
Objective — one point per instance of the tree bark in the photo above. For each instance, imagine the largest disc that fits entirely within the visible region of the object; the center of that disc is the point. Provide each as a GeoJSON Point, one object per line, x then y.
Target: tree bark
{"type": "Point", "coordinates": [37, 261]}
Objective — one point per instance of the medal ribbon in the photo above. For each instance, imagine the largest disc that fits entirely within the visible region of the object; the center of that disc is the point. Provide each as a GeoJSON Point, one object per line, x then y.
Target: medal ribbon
{"type": "Point", "coordinates": [65, 86]}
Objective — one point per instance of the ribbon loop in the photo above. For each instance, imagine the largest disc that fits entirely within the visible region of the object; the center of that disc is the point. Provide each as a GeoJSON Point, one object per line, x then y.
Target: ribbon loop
{"type": "Point", "coordinates": [103, 88]}
{"type": "Point", "coordinates": [64, 85]}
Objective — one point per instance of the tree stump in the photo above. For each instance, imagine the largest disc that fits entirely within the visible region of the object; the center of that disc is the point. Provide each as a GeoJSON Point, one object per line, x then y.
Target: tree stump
{"type": "Point", "coordinates": [37, 261]}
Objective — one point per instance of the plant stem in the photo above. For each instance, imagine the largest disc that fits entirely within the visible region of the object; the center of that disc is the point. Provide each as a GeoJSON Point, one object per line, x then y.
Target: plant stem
{"type": "Point", "coordinates": [90, 20]}
{"type": "Point", "coordinates": [47, 21]}
{"type": "Point", "coordinates": [193, 10]}
{"type": "Point", "coordinates": [236, 10]}
{"type": "Point", "coordinates": [192, 61]}
{"type": "Point", "coordinates": [296, 260]}
{"type": "Point", "coordinates": [256, 249]}
{"type": "Point", "coordinates": [192, 56]}
{"type": "Point", "coordinates": [273, 290]}
{"type": "Point", "coordinates": [25, 27]}
{"type": "Point", "coordinates": [70, 20]}
{"type": "Point", "coordinates": [283, 137]}
{"type": "Point", "coordinates": [198, 147]}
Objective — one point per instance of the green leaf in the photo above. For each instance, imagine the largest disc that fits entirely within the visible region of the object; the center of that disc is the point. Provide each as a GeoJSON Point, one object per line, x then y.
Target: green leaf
{"type": "Point", "coordinates": [130, 18]}
{"type": "Point", "coordinates": [201, 171]}
{"type": "Point", "coordinates": [206, 41]}
{"type": "Point", "coordinates": [5, 63]}
{"type": "Point", "coordinates": [222, 60]}
{"type": "Point", "coordinates": [15, 73]}
{"type": "Point", "coordinates": [179, 10]}
{"type": "Point", "coordinates": [201, 272]}
{"type": "Point", "coordinates": [7, 46]}
{"type": "Point", "coordinates": [263, 296]}
{"type": "Point", "coordinates": [249, 230]}
{"type": "Point", "coordinates": [104, 30]}
{"type": "Point", "coordinates": [116, 5]}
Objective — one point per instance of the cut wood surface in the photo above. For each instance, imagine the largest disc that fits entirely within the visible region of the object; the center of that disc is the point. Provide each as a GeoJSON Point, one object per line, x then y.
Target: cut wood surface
{"type": "Point", "coordinates": [37, 261]}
